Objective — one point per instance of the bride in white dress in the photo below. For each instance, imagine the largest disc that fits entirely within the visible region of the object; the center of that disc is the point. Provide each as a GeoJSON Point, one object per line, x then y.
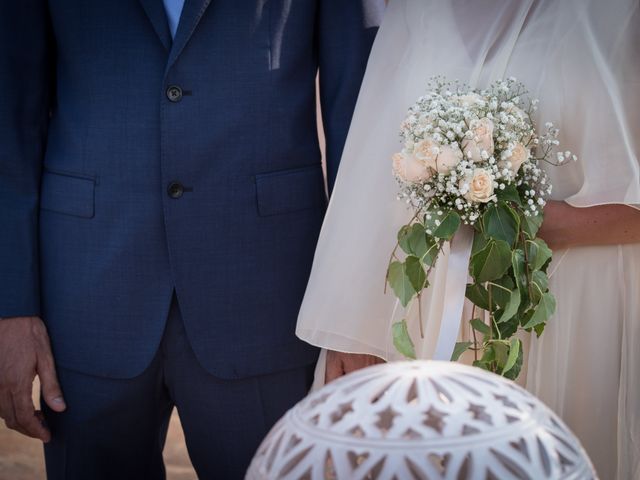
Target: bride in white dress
{"type": "Point", "coordinates": [581, 59]}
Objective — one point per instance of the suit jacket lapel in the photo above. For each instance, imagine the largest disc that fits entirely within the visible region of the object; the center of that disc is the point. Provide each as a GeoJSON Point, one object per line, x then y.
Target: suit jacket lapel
{"type": "Point", "coordinates": [191, 14]}
{"type": "Point", "coordinates": [155, 11]}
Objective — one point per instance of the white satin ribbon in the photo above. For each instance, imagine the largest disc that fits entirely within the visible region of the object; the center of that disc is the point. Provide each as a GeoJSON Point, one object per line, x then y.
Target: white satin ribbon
{"type": "Point", "coordinates": [455, 287]}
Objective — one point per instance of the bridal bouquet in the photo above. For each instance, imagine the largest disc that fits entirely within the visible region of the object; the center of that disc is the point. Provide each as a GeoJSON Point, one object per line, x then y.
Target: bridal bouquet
{"type": "Point", "coordinates": [473, 158]}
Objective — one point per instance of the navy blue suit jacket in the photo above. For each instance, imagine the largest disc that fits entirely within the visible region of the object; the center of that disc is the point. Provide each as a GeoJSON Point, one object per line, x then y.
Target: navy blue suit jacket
{"type": "Point", "coordinates": [132, 165]}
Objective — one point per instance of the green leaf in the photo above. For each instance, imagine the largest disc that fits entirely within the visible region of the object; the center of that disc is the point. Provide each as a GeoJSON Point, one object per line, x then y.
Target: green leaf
{"type": "Point", "coordinates": [430, 218]}
{"type": "Point", "coordinates": [484, 365]}
{"type": "Point", "coordinates": [445, 226]}
{"type": "Point", "coordinates": [501, 290]}
{"type": "Point", "coordinates": [509, 327]}
{"type": "Point", "coordinates": [459, 349]}
{"type": "Point", "coordinates": [400, 283]}
{"type": "Point", "coordinates": [479, 326]}
{"type": "Point", "coordinates": [506, 282]}
{"type": "Point", "coordinates": [402, 340]}
{"type": "Point", "coordinates": [418, 240]}
{"type": "Point", "coordinates": [540, 278]}
{"type": "Point", "coordinates": [478, 295]}
{"type": "Point", "coordinates": [433, 250]}
{"type": "Point", "coordinates": [524, 318]}
{"type": "Point", "coordinates": [519, 272]}
{"type": "Point", "coordinates": [488, 357]}
{"type": "Point", "coordinates": [539, 253]}
{"type": "Point", "coordinates": [509, 194]}
{"type": "Point", "coordinates": [513, 372]}
{"type": "Point", "coordinates": [415, 272]}
{"type": "Point", "coordinates": [479, 242]}
{"type": "Point", "coordinates": [413, 240]}
{"type": "Point", "coordinates": [540, 285]}
{"type": "Point", "coordinates": [531, 224]}
{"type": "Point", "coordinates": [514, 353]}
{"type": "Point", "coordinates": [511, 308]}
{"type": "Point", "coordinates": [501, 222]}
{"type": "Point", "coordinates": [491, 262]}
{"type": "Point", "coordinates": [403, 238]}
{"type": "Point", "coordinates": [539, 329]}
{"type": "Point", "coordinates": [545, 308]}
{"type": "Point", "coordinates": [501, 349]}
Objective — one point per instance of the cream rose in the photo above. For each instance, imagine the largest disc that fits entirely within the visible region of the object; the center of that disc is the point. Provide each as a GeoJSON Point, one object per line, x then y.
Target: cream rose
{"type": "Point", "coordinates": [448, 159]}
{"type": "Point", "coordinates": [482, 140]}
{"type": "Point", "coordinates": [519, 155]}
{"type": "Point", "coordinates": [410, 169]}
{"type": "Point", "coordinates": [427, 150]}
{"type": "Point", "coordinates": [480, 186]}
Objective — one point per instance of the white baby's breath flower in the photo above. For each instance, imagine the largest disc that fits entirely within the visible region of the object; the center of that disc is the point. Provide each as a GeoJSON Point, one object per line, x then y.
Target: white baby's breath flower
{"type": "Point", "coordinates": [471, 99]}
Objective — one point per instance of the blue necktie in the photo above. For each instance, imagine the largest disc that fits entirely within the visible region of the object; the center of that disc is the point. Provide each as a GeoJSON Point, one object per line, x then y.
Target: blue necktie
{"type": "Point", "coordinates": [173, 9]}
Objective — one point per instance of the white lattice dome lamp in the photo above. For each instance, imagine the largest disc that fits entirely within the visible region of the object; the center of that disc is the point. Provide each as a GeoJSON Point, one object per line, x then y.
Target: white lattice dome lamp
{"type": "Point", "coordinates": [421, 420]}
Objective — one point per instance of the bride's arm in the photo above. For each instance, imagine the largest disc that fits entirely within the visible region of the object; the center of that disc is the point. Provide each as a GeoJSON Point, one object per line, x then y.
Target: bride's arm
{"type": "Point", "coordinates": [566, 226]}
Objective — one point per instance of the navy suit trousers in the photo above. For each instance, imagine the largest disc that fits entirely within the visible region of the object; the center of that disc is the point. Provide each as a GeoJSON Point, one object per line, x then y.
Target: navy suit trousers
{"type": "Point", "coordinates": [116, 428]}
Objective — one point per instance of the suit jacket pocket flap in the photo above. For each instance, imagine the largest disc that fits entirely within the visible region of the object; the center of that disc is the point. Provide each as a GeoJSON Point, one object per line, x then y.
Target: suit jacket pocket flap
{"type": "Point", "coordinates": [289, 191]}
{"type": "Point", "coordinates": [68, 194]}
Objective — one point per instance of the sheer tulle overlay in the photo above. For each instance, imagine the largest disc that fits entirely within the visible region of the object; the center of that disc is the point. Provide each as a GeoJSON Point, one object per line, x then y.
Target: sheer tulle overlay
{"type": "Point", "coordinates": [581, 59]}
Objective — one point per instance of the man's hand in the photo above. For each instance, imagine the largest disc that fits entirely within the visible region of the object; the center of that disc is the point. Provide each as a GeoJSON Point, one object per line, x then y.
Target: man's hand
{"type": "Point", "coordinates": [24, 353]}
{"type": "Point", "coordinates": [339, 363]}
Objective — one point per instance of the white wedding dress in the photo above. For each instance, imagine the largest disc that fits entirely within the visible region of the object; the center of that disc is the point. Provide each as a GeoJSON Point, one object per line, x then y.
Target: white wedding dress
{"type": "Point", "coordinates": [581, 59]}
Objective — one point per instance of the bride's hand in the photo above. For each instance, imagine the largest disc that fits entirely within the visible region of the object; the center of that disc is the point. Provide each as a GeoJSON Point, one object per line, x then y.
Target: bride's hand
{"type": "Point", "coordinates": [339, 363]}
{"type": "Point", "coordinates": [565, 226]}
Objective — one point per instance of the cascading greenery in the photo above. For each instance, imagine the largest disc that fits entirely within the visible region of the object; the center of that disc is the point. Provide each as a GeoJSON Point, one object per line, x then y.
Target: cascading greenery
{"type": "Point", "coordinates": [510, 286]}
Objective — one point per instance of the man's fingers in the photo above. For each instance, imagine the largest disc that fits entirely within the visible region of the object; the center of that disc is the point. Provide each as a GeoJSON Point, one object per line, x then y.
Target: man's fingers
{"type": "Point", "coordinates": [51, 390]}
{"type": "Point", "coordinates": [333, 367]}
{"type": "Point", "coordinates": [26, 352]}
{"type": "Point", "coordinates": [26, 418]}
{"type": "Point", "coordinates": [7, 412]}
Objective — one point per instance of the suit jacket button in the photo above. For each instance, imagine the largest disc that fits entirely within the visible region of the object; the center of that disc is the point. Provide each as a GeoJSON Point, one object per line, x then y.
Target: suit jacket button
{"type": "Point", "coordinates": [174, 93]}
{"type": "Point", "coordinates": [175, 190]}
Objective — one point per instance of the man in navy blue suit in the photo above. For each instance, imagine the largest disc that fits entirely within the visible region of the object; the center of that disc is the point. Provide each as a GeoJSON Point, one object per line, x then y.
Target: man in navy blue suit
{"type": "Point", "coordinates": [161, 194]}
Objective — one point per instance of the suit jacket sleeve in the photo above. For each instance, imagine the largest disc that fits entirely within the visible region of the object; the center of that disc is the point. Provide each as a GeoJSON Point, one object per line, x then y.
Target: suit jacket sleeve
{"type": "Point", "coordinates": [345, 33]}
{"type": "Point", "coordinates": [25, 92]}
